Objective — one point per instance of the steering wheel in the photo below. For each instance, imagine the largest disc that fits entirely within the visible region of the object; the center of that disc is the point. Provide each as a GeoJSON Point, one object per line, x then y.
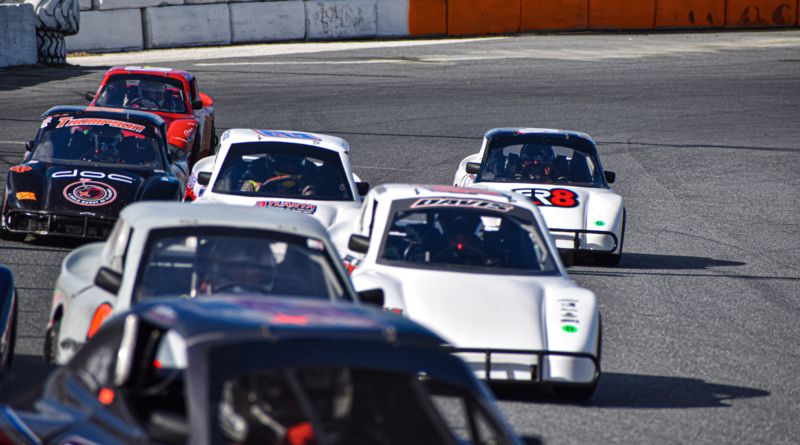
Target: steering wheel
{"type": "Point", "coordinates": [467, 254]}
{"type": "Point", "coordinates": [142, 102]}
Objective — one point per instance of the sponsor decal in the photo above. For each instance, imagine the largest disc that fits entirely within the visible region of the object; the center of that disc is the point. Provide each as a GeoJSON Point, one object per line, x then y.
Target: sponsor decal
{"type": "Point", "coordinates": [26, 196]}
{"type": "Point", "coordinates": [90, 193]}
{"type": "Point", "coordinates": [92, 175]}
{"type": "Point", "coordinates": [288, 134]}
{"type": "Point", "coordinates": [462, 202]}
{"type": "Point", "coordinates": [46, 121]}
{"type": "Point", "coordinates": [570, 329]}
{"type": "Point", "coordinates": [551, 198]}
{"type": "Point", "coordinates": [301, 207]}
{"type": "Point", "coordinates": [69, 121]}
{"type": "Point", "coordinates": [20, 168]}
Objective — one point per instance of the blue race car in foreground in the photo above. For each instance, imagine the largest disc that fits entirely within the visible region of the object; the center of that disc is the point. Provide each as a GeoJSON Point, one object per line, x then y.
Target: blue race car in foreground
{"type": "Point", "coordinates": [242, 370]}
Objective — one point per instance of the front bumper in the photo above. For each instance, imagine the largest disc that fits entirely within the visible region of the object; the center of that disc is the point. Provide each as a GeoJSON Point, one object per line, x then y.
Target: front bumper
{"type": "Point", "coordinates": [47, 223]}
{"type": "Point", "coordinates": [538, 371]}
{"type": "Point", "coordinates": [579, 240]}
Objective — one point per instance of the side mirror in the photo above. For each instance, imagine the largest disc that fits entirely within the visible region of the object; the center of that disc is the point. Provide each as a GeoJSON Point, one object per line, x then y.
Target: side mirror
{"type": "Point", "coordinates": [28, 151]}
{"type": "Point", "coordinates": [363, 188]}
{"type": "Point", "coordinates": [610, 177]}
{"type": "Point", "coordinates": [108, 280]}
{"type": "Point", "coordinates": [473, 168]}
{"type": "Point", "coordinates": [357, 243]}
{"type": "Point", "coordinates": [197, 105]}
{"type": "Point", "coordinates": [373, 297]}
{"type": "Point", "coordinates": [167, 428]}
{"type": "Point", "coordinates": [203, 178]}
{"type": "Point", "coordinates": [207, 101]}
{"type": "Point", "coordinates": [89, 96]}
{"type": "Point", "coordinates": [181, 134]}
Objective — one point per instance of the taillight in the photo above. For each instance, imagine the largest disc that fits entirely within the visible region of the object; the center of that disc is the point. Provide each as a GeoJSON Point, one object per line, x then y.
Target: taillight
{"type": "Point", "coordinates": [99, 317]}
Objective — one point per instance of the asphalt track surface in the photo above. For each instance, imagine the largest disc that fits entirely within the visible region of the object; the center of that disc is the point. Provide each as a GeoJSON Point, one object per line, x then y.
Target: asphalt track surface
{"type": "Point", "coordinates": [700, 319]}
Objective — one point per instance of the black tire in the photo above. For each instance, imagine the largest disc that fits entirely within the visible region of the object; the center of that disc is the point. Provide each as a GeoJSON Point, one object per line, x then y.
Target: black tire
{"type": "Point", "coordinates": [5, 234]}
{"type": "Point", "coordinates": [214, 140]}
{"type": "Point", "coordinates": [52, 47]}
{"type": "Point", "coordinates": [8, 356]}
{"type": "Point", "coordinates": [51, 337]}
{"type": "Point", "coordinates": [613, 259]}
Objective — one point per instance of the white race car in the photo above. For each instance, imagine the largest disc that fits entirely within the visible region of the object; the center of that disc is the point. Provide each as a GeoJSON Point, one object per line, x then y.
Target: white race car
{"type": "Point", "coordinates": [159, 250]}
{"type": "Point", "coordinates": [478, 267]}
{"type": "Point", "coordinates": [561, 172]}
{"type": "Point", "coordinates": [303, 172]}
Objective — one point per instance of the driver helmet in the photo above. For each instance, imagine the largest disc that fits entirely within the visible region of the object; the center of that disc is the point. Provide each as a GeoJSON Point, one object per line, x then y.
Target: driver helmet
{"type": "Point", "coordinates": [459, 228]}
{"type": "Point", "coordinates": [287, 164]}
{"type": "Point", "coordinates": [239, 265]}
{"type": "Point", "coordinates": [154, 91]}
{"type": "Point", "coordinates": [537, 159]}
{"type": "Point", "coordinates": [106, 144]}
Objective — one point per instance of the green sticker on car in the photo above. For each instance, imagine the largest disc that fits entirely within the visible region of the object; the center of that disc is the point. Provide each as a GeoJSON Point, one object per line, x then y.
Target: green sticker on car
{"type": "Point", "coordinates": [570, 328]}
{"type": "Point", "coordinates": [599, 223]}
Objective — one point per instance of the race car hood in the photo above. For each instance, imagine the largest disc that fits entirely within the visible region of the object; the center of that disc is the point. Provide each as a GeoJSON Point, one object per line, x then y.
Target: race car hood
{"type": "Point", "coordinates": [477, 310]}
{"type": "Point", "coordinates": [326, 212]}
{"type": "Point", "coordinates": [95, 190]}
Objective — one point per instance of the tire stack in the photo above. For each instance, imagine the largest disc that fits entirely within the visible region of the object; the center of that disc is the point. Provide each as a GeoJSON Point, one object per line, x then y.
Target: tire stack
{"type": "Point", "coordinates": [55, 19]}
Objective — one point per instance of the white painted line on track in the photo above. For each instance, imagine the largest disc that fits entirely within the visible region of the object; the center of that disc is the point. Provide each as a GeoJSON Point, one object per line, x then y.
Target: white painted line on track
{"type": "Point", "coordinates": [326, 62]}
{"type": "Point", "coordinates": [14, 142]}
{"type": "Point", "coordinates": [369, 167]}
{"type": "Point", "coordinates": [244, 51]}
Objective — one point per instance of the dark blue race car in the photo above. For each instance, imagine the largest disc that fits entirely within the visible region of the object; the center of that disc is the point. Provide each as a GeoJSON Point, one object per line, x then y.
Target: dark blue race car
{"type": "Point", "coordinates": [240, 370]}
{"type": "Point", "coordinates": [8, 317]}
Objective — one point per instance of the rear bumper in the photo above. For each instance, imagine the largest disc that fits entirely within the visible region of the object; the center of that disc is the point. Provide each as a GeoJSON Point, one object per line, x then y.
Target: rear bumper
{"type": "Point", "coordinates": [545, 367]}
{"type": "Point", "coordinates": [47, 223]}
{"type": "Point", "coordinates": [591, 241]}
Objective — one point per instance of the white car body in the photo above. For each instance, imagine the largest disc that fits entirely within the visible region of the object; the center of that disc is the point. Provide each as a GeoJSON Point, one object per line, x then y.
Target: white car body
{"type": "Point", "coordinates": [77, 297]}
{"type": "Point", "coordinates": [596, 225]}
{"type": "Point", "coordinates": [485, 310]}
{"type": "Point", "coordinates": [328, 212]}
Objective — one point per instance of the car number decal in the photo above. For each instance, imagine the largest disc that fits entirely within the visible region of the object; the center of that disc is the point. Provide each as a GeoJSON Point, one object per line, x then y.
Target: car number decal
{"type": "Point", "coordinates": [551, 198]}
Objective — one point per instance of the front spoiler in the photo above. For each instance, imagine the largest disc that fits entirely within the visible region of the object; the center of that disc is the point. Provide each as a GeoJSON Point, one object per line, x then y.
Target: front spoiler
{"type": "Point", "coordinates": [537, 369]}
{"type": "Point", "coordinates": [577, 239]}
{"type": "Point", "coordinates": [47, 223]}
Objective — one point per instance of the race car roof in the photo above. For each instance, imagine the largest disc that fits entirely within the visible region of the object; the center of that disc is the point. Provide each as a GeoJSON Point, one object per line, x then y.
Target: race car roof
{"type": "Point", "coordinates": [239, 135]}
{"type": "Point", "coordinates": [275, 318]}
{"type": "Point", "coordinates": [529, 131]}
{"type": "Point", "coordinates": [150, 71]}
{"type": "Point", "coordinates": [115, 113]}
{"type": "Point", "coordinates": [154, 215]}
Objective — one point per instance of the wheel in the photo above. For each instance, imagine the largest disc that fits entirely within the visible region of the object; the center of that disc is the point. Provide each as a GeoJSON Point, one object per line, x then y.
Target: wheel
{"type": "Point", "coordinates": [51, 339]}
{"type": "Point", "coordinates": [613, 259]}
{"type": "Point", "coordinates": [5, 234]}
{"type": "Point", "coordinates": [8, 355]}
{"type": "Point", "coordinates": [214, 140]}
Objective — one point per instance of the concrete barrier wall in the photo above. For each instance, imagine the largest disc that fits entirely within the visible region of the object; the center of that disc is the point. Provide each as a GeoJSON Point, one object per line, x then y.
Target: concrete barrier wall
{"type": "Point", "coordinates": [17, 35]}
{"type": "Point", "coordinates": [114, 25]}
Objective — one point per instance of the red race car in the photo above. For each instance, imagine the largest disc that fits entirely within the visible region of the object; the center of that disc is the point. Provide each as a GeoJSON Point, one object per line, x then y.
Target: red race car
{"type": "Point", "coordinates": [170, 93]}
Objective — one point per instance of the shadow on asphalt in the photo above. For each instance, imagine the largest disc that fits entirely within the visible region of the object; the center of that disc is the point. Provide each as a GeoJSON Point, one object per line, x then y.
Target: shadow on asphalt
{"type": "Point", "coordinates": [646, 261]}
{"type": "Point", "coordinates": [22, 383]}
{"type": "Point", "coordinates": [618, 390]}
{"type": "Point", "coordinates": [14, 78]}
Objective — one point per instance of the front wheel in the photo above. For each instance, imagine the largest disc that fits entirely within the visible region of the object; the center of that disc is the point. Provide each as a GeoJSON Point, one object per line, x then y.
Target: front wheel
{"type": "Point", "coordinates": [4, 233]}
{"type": "Point", "coordinates": [613, 259]}
{"type": "Point", "coordinates": [8, 354]}
{"type": "Point", "coordinates": [51, 339]}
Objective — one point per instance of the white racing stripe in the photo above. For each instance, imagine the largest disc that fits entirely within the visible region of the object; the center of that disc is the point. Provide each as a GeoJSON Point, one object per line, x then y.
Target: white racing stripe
{"type": "Point", "coordinates": [245, 51]}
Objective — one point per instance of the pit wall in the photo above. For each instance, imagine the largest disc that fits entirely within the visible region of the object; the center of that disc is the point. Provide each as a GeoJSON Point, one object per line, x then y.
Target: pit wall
{"type": "Point", "coordinates": [115, 25]}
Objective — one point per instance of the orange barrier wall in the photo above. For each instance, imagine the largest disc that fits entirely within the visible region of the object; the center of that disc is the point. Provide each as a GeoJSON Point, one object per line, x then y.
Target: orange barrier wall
{"type": "Point", "coordinates": [427, 17]}
{"type": "Point", "coordinates": [690, 14]}
{"type": "Point", "coordinates": [568, 15]}
{"type": "Point", "coordinates": [474, 17]}
{"type": "Point", "coordinates": [622, 14]}
{"type": "Point", "coordinates": [761, 13]}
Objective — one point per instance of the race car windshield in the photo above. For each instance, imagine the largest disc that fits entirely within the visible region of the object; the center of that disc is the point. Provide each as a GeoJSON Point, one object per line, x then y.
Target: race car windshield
{"type": "Point", "coordinates": [205, 261]}
{"type": "Point", "coordinates": [284, 170]}
{"type": "Point", "coordinates": [143, 92]}
{"type": "Point", "coordinates": [467, 234]}
{"type": "Point", "coordinates": [541, 160]}
{"type": "Point", "coordinates": [344, 405]}
{"type": "Point", "coordinates": [94, 140]}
